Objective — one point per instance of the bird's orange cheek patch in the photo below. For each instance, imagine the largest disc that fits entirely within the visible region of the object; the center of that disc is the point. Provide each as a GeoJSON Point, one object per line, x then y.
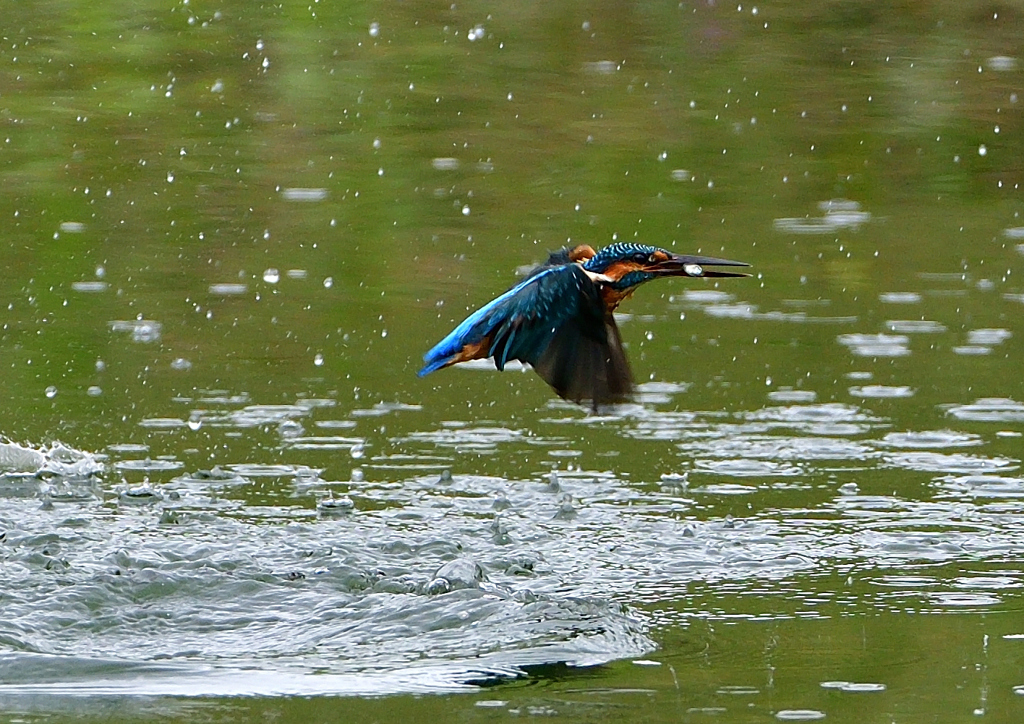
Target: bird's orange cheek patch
{"type": "Point", "coordinates": [620, 269]}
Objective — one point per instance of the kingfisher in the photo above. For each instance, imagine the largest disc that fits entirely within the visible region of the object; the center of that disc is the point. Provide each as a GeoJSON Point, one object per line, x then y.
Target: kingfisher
{"type": "Point", "coordinates": [559, 318]}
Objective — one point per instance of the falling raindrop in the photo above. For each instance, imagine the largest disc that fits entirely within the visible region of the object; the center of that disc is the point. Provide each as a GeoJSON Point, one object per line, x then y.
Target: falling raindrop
{"type": "Point", "coordinates": [318, 360]}
{"type": "Point", "coordinates": [465, 210]}
{"type": "Point", "coordinates": [328, 282]}
{"type": "Point", "coordinates": [271, 276]}
{"type": "Point", "coordinates": [51, 392]}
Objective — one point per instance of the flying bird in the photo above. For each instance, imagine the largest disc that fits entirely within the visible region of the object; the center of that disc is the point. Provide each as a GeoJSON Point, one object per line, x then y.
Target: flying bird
{"type": "Point", "coordinates": [559, 319]}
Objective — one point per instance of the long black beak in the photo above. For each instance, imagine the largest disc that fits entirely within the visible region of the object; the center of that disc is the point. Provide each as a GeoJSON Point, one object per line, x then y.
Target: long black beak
{"type": "Point", "coordinates": [696, 266]}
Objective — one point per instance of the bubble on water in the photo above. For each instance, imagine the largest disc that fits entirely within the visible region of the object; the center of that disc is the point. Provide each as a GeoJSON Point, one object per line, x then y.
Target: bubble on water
{"type": "Point", "coordinates": [290, 429]}
{"type": "Point", "coordinates": [228, 289]}
{"type": "Point", "coordinates": [51, 392]}
{"type": "Point", "coordinates": [374, 29]}
{"type": "Point", "coordinates": [91, 286]}
{"type": "Point", "coordinates": [881, 391]}
{"type": "Point", "coordinates": [94, 391]}
{"type": "Point", "coordinates": [988, 337]}
{"type": "Point", "coordinates": [788, 394]}
{"type": "Point", "coordinates": [972, 350]}
{"type": "Point", "coordinates": [799, 715]}
{"type": "Point", "coordinates": [1002, 63]}
{"type": "Point", "coordinates": [445, 163]}
{"type": "Point", "coordinates": [899, 297]}
{"type": "Point", "coordinates": [876, 345]}
{"type": "Point", "coordinates": [318, 360]}
{"type": "Point", "coordinates": [335, 506]}
{"type": "Point", "coordinates": [357, 476]}
{"type": "Point", "coordinates": [328, 282]}
{"type": "Point", "coordinates": [357, 451]}
{"type": "Point", "coordinates": [271, 276]}
{"type": "Point", "coordinates": [100, 365]}
{"type": "Point", "coordinates": [915, 326]}
{"type": "Point", "coordinates": [301, 194]}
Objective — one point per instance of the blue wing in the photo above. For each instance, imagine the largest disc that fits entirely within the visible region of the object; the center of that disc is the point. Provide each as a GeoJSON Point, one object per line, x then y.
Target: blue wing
{"type": "Point", "coordinates": [556, 322]}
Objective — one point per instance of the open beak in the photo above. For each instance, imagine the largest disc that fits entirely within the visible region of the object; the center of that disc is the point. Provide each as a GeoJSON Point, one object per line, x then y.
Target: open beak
{"type": "Point", "coordinates": [681, 265]}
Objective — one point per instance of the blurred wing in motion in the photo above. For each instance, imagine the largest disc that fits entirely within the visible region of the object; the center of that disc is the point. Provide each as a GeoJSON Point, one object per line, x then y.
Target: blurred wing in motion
{"type": "Point", "coordinates": [554, 321]}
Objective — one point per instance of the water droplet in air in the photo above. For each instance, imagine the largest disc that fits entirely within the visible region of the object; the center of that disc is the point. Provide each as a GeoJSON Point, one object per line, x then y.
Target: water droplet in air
{"type": "Point", "coordinates": [328, 282]}
{"type": "Point", "coordinates": [271, 276]}
{"type": "Point", "coordinates": [465, 210]}
{"type": "Point", "coordinates": [94, 391]}
{"type": "Point", "coordinates": [982, 150]}
{"type": "Point", "coordinates": [318, 360]}
{"type": "Point", "coordinates": [170, 177]}
{"type": "Point", "coordinates": [195, 420]}
{"type": "Point", "coordinates": [51, 392]}
{"type": "Point", "coordinates": [374, 30]}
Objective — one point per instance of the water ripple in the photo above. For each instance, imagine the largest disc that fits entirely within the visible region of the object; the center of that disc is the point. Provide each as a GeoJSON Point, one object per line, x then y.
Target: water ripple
{"type": "Point", "coordinates": [988, 409]}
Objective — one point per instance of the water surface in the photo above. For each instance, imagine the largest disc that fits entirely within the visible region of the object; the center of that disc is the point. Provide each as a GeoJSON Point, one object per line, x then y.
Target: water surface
{"type": "Point", "coordinates": [231, 232]}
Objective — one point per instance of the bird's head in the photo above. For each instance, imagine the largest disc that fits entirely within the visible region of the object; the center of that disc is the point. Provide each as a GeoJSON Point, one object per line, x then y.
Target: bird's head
{"type": "Point", "coordinates": [626, 265]}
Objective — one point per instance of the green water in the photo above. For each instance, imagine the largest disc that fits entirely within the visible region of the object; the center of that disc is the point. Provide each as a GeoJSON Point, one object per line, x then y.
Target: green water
{"type": "Point", "coordinates": [231, 231]}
